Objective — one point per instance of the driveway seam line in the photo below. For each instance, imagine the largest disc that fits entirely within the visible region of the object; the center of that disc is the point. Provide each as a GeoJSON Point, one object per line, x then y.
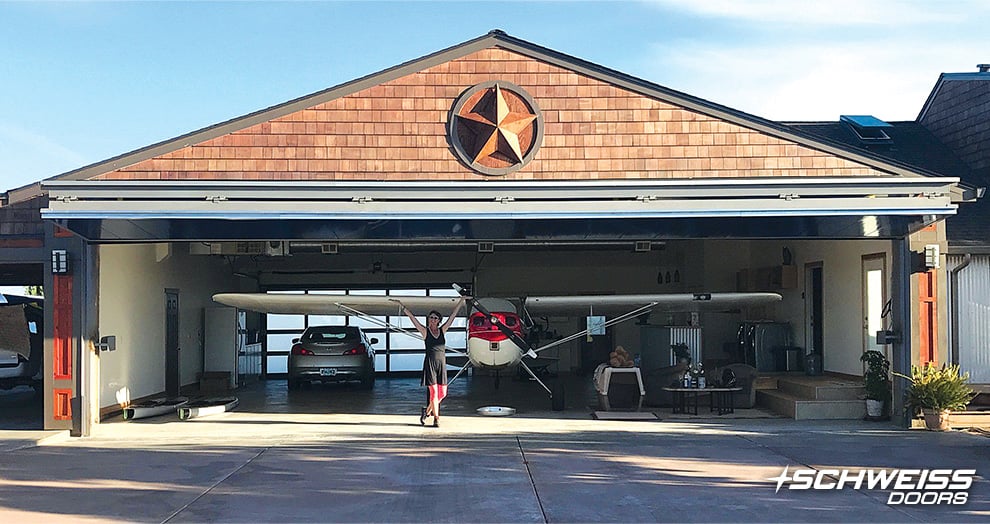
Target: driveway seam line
{"type": "Point", "coordinates": [532, 481]}
{"type": "Point", "coordinates": [215, 484]}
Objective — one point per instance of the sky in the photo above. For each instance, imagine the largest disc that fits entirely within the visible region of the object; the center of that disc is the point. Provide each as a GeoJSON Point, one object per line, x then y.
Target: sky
{"type": "Point", "coordinates": [81, 82]}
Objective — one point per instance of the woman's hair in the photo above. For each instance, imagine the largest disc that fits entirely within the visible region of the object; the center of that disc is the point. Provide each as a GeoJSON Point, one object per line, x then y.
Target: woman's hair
{"type": "Point", "coordinates": [434, 312]}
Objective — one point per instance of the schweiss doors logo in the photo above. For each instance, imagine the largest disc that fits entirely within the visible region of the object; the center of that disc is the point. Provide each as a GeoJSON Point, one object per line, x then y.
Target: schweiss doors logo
{"type": "Point", "coordinates": [907, 486]}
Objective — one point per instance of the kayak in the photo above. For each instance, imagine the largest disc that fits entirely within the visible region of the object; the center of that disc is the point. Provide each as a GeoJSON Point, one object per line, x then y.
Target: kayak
{"type": "Point", "coordinates": [207, 407]}
{"type": "Point", "coordinates": [153, 408]}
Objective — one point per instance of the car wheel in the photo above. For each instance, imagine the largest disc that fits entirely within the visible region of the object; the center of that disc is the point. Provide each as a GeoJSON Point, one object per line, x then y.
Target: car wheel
{"type": "Point", "coordinates": [292, 384]}
{"type": "Point", "coordinates": [368, 382]}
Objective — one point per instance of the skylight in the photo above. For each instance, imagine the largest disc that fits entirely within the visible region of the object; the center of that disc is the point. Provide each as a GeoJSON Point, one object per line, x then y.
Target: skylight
{"type": "Point", "coordinates": [868, 128]}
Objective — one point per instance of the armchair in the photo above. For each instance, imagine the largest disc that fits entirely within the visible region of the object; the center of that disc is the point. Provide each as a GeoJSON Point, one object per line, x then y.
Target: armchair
{"type": "Point", "coordinates": [746, 379]}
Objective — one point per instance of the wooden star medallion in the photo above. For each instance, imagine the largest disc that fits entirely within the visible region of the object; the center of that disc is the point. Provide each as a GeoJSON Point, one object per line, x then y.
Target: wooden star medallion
{"type": "Point", "coordinates": [495, 128]}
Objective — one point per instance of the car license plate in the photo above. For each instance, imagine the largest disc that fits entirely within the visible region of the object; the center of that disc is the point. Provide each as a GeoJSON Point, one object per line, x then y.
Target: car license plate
{"type": "Point", "coordinates": [328, 372]}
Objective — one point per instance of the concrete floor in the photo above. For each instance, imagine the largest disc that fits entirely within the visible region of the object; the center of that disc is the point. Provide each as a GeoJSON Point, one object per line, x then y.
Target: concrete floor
{"type": "Point", "coordinates": [339, 454]}
{"type": "Point", "coordinates": [20, 409]}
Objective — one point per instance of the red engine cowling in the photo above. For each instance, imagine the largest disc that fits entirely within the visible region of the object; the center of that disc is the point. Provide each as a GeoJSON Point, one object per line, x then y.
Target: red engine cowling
{"type": "Point", "coordinates": [481, 326]}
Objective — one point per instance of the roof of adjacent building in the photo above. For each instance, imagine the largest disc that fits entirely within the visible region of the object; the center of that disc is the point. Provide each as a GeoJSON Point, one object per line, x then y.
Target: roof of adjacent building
{"type": "Point", "coordinates": [951, 137]}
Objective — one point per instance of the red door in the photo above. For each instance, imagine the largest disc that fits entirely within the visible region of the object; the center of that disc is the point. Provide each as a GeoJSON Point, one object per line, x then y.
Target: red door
{"type": "Point", "coordinates": [928, 322]}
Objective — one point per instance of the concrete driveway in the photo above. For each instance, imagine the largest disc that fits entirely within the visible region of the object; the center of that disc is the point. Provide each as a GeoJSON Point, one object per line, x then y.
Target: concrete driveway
{"type": "Point", "coordinates": [252, 466]}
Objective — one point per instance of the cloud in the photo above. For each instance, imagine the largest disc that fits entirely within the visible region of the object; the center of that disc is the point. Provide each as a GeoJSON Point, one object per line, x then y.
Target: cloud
{"type": "Point", "coordinates": [21, 150]}
{"type": "Point", "coordinates": [831, 12]}
{"type": "Point", "coordinates": [809, 81]}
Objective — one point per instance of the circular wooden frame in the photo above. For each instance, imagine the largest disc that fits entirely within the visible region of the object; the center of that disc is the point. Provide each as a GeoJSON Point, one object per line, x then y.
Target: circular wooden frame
{"type": "Point", "coordinates": [465, 142]}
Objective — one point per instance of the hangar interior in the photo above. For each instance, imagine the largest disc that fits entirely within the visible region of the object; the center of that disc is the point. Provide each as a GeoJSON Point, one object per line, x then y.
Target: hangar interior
{"type": "Point", "coordinates": [134, 308]}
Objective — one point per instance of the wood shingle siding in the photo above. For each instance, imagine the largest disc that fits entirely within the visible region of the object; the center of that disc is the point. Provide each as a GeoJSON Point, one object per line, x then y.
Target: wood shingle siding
{"type": "Point", "coordinates": [22, 220]}
{"type": "Point", "coordinates": [397, 131]}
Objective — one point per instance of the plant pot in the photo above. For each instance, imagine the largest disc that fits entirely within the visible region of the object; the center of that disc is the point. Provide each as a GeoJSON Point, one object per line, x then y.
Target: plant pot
{"type": "Point", "coordinates": [936, 420]}
{"type": "Point", "coordinates": [874, 408]}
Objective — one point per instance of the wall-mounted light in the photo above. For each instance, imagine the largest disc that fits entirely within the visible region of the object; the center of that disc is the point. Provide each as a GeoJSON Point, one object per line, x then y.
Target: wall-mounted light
{"type": "Point", "coordinates": [60, 261]}
{"type": "Point", "coordinates": [107, 343]}
{"type": "Point", "coordinates": [932, 256]}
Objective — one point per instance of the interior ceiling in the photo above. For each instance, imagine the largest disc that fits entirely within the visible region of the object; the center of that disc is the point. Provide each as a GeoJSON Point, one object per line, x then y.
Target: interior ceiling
{"type": "Point", "coordinates": [22, 274]}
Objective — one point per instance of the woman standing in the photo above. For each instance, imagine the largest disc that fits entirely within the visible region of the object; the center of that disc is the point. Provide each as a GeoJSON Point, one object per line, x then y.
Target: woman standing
{"type": "Point", "coordinates": [435, 360]}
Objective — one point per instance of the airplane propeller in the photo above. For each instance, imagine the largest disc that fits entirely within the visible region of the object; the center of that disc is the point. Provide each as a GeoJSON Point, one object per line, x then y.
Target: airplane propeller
{"type": "Point", "coordinates": [557, 401]}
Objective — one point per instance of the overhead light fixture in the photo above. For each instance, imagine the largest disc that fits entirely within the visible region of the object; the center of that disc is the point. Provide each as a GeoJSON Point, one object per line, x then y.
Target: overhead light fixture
{"type": "Point", "coordinates": [328, 248]}
{"type": "Point", "coordinates": [486, 247]}
{"type": "Point", "coordinates": [642, 246]}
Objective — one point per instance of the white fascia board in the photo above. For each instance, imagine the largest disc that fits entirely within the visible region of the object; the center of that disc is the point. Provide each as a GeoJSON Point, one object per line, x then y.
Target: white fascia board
{"type": "Point", "coordinates": [500, 200]}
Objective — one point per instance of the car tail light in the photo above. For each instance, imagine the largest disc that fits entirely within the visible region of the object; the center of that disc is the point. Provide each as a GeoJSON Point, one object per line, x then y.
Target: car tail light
{"type": "Point", "coordinates": [356, 350]}
{"type": "Point", "coordinates": [299, 350]}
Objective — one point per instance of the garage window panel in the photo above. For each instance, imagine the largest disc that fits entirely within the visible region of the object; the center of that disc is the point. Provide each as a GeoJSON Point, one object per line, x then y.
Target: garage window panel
{"type": "Point", "coordinates": [394, 351]}
{"type": "Point", "coordinates": [399, 341]}
{"type": "Point", "coordinates": [407, 362]}
{"type": "Point", "coordinates": [326, 320]}
{"type": "Point", "coordinates": [280, 342]}
{"type": "Point", "coordinates": [278, 364]}
{"type": "Point", "coordinates": [276, 322]}
{"type": "Point", "coordinates": [456, 339]}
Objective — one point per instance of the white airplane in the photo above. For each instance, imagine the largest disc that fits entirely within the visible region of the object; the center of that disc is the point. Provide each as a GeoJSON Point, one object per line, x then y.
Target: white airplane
{"type": "Point", "coordinates": [496, 331]}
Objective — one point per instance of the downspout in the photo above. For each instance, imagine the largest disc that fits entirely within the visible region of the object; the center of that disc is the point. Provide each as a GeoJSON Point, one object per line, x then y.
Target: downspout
{"type": "Point", "coordinates": [954, 303]}
{"type": "Point", "coordinates": [900, 358]}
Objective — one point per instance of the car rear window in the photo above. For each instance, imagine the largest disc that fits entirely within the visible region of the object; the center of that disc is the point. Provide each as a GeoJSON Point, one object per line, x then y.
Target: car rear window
{"type": "Point", "coordinates": [329, 334]}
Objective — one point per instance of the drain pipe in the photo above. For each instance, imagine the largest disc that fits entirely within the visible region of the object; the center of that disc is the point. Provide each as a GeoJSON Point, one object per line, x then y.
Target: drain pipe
{"type": "Point", "coordinates": [954, 303]}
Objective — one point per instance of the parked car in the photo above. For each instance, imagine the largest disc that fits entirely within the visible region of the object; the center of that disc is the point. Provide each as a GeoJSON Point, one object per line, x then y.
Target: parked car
{"type": "Point", "coordinates": [332, 354]}
{"type": "Point", "coordinates": [21, 342]}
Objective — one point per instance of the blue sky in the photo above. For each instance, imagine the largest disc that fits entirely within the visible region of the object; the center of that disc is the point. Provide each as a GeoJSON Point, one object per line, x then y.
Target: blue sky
{"type": "Point", "coordinates": [84, 81]}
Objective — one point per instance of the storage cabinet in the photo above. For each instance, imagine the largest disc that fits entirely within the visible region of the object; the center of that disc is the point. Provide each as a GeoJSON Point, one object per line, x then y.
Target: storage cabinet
{"type": "Point", "coordinates": [770, 278]}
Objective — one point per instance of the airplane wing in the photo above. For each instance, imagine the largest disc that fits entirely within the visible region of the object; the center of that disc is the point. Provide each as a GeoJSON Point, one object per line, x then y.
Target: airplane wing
{"type": "Point", "coordinates": [620, 304]}
{"type": "Point", "coordinates": [292, 304]}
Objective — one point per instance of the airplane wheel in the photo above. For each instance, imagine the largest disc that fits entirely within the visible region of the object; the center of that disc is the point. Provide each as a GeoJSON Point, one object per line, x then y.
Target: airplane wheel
{"type": "Point", "coordinates": [557, 401]}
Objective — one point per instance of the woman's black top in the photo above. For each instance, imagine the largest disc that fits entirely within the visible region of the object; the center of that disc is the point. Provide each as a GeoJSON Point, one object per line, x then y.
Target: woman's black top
{"type": "Point", "coordinates": [435, 361]}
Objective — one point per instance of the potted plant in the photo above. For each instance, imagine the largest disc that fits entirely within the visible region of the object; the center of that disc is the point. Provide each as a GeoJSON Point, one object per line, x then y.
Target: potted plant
{"type": "Point", "coordinates": [876, 380]}
{"type": "Point", "coordinates": [682, 353]}
{"type": "Point", "coordinates": [935, 391]}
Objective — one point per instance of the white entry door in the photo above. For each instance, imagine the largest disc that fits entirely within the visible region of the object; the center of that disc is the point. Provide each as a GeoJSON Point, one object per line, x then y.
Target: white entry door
{"type": "Point", "coordinates": [874, 300]}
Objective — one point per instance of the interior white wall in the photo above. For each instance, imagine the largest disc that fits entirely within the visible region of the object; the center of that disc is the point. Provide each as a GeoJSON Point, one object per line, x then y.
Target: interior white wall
{"type": "Point", "coordinates": [842, 293]}
{"type": "Point", "coordinates": [133, 279]}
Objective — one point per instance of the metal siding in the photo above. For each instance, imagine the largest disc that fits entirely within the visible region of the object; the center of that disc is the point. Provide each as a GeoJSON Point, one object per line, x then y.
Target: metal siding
{"type": "Point", "coordinates": [689, 335]}
{"type": "Point", "coordinates": [974, 316]}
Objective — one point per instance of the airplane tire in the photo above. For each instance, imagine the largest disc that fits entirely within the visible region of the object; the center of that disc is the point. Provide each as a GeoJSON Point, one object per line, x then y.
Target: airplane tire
{"type": "Point", "coordinates": [557, 401]}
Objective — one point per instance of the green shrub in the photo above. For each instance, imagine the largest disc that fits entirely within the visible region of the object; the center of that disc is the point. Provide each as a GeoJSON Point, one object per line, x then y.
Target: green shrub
{"type": "Point", "coordinates": [877, 376]}
{"type": "Point", "coordinates": [938, 388]}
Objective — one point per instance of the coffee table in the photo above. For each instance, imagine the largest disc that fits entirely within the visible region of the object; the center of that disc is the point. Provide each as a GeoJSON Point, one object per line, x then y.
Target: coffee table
{"type": "Point", "coordinates": [684, 398]}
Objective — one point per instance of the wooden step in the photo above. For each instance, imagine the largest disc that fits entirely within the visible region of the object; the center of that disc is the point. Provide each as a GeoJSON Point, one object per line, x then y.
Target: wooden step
{"type": "Point", "coordinates": [802, 408]}
{"type": "Point", "coordinates": [822, 389]}
{"type": "Point", "coordinates": [765, 382]}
